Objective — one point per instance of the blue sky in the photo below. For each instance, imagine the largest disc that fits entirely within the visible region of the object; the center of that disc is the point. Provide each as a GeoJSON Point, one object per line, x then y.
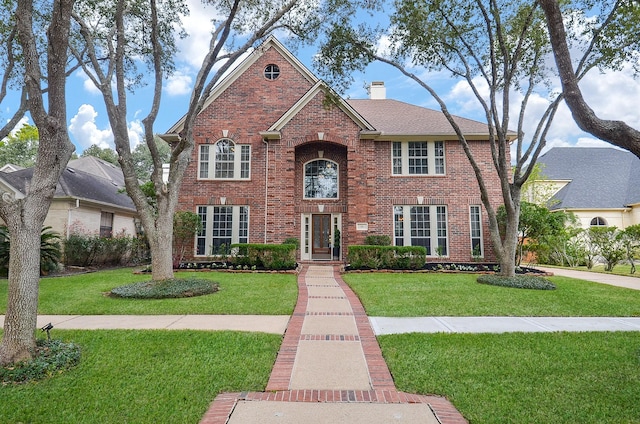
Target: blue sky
{"type": "Point", "coordinates": [613, 95]}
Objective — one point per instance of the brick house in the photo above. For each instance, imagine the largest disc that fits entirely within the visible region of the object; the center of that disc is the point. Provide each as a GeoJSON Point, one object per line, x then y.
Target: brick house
{"type": "Point", "coordinates": [274, 161]}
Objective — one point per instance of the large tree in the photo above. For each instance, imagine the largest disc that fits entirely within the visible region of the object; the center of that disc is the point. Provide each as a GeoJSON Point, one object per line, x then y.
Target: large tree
{"type": "Point", "coordinates": [621, 27]}
{"type": "Point", "coordinates": [116, 40]}
{"type": "Point", "coordinates": [500, 49]}
{"type": "Point", "coordinates": [44, 72]}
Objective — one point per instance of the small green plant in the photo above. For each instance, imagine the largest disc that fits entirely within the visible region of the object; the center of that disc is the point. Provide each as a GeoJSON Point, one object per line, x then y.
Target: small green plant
{"type": "Point", "coordinates": [50, 249]}
{"type": "Point", "coordinates": [165, 289]}
{"type": "Point", "coordinates": [51, 357]}
{"type": "Point", "coordinates": [377, 240]}
{"type": "Point", "coordinates": [518, 282]}
{"type": "Point", "coordinates": [292, 240]}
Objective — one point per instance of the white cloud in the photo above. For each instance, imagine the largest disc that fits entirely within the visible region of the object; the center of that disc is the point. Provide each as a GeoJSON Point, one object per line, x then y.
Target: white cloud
{"type": "Point", "coordinates": [136, 133]}
{"type": "Point", "coordinates": [85, 131]}
{"type": "Point", "coordinates": [198, 25]}
{"type": "Point", "coordinates": [87, 84]}
{"type": "Point", "coordinates": [178, 84]}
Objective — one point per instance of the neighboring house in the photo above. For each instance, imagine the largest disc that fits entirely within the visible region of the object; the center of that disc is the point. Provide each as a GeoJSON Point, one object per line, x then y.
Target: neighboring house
{"type": "Point", "coordinates": [273, 160]}
{"type": "Point", "coordinates": [601, 186]}
{"type": "Point", "coordinates": [10, 168]}
{"type": "Point", "coordinates": [90, 196]}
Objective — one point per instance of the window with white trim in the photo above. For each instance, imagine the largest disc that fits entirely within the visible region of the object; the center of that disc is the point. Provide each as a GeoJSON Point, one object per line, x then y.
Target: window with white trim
{"type": "Point", "coordinates": [598, 221]}
{"type": "Point", "coordinates": [222, 226]}
{"type": "Point", "coordinates": [475, 221]}
{"type": "Point", "coordinates": [418, 158]}
{"type": "Point", "coordinates": [422, 226]}
{"type": "Point", "coordinates": [106, 224]}
{"type": "Point", "coordinates": [224, 160]}
{"type": "Point", "coordinates": [321, 179]}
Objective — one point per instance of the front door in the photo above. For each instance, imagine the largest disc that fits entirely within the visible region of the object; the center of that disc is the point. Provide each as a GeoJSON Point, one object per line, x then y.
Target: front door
{"type": "Point", "coordinates": [321, 227]}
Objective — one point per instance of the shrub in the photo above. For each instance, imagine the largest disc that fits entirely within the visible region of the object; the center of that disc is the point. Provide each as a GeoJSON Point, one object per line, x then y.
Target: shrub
{"type": "Point", "coordinates": [292, 240]}
{"type": "Point", "coordinates": [519, 282]}
{"type": "Point", "coordinates": [375, 240]}
{"type": "Point", "coordinates": [386, 257]}
{"type": "Point", "coordinates": [50, 358]}
{"type": "Point", "coordinates": [87, 249]}
{"type": "Point", "coordinates": [267, 256]}
{"type": "Point", "coordinates": [50, 250]}
{"type": "Point", "coordinates": [165, 289]}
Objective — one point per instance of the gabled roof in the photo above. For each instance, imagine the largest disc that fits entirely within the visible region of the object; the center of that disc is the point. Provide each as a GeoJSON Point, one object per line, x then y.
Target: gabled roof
{"type": "Point", "coordinates": [75, 184]}
{"type": "Point", "coordinates": [98, 167]}
{"type": "Point", "coordinates": [224, 83]}
{"type": "Point", "coordinates": [396, 118]}
{"type": "Point", "coordinates": [309, 95]}
{"type": "Point", "coordinates": [9, 167]}
{"type": "Point", "coordinates": [600, 178]}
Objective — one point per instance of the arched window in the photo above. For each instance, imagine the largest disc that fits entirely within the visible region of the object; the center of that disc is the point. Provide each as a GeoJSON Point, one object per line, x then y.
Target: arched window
{"type": "Point", "coordinates": [321, 179]}
{"type": "Point", "coordinates": [224, 160]}
{"type": "Point", "coordinates": [598, 222]}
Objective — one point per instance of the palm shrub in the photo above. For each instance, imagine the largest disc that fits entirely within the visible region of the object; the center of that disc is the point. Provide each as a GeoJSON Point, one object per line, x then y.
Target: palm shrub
{"type": "Point", "coordinates": [50, 249]}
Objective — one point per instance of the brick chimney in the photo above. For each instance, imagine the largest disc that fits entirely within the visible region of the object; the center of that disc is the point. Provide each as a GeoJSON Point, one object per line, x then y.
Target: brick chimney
{"type": "Point", "coordinates": [377, 90]}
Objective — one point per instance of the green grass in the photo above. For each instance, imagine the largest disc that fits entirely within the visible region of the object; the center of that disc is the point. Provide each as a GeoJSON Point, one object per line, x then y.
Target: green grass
{"type": "Point", "coordinates": [440, 294]}
{"type": "Point", "coordinates": [523, 378]}
{"type": "Point", "coordinates": [144, 377]}
{"type": "Point", "coordinates": [240, 293]}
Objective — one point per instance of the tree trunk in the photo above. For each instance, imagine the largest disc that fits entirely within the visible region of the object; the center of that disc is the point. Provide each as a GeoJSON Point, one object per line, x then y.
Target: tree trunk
{"type": "Point", "coordinates": [160, 244]}
{"type": "Point", "coordinates": [19, 340]}
{"type": "Point", "coordinates": [24, 217]}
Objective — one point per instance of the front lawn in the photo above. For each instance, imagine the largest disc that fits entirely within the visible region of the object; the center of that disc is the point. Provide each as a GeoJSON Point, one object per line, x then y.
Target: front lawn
{"type": "Point", "coordinates": [144, 377]}
{"type": "Point", "coordinates": [239, 294]}
{"type": "Point", "coordinates": [523, 378]}
{"type": "Point", "coordinates": [387, 294]}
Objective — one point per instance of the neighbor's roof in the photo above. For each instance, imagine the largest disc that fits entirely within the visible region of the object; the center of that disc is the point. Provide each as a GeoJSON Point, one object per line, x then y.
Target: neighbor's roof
{"type": "Point", "coordinates": [77, 184]}
{"type": "Point", "coordinates": [600, 178]}
{"type": "Point", "coordinates": [98, 167]}
{"type": "Point", "coordinates": [396, 118]}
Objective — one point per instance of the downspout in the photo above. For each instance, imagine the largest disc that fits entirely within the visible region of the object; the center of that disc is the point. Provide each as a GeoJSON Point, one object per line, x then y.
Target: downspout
{"type": "Point", "coordinates": [69, 218]}
{"type": "Point", "coordinates": [266, 186]}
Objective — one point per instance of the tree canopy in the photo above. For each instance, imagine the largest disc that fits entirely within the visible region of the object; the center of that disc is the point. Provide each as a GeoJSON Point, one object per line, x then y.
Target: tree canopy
{"type": "Point", "coordinates": [20, 148]}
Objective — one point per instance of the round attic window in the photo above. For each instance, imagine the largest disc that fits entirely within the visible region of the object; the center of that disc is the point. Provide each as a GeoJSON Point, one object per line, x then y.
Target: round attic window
{"type": "Point", "coordinates": [271, 72]}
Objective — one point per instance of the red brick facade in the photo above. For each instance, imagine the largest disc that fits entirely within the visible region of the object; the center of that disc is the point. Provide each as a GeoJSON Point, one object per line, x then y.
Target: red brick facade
{"type": "Point", "coordinates": [284, 134]}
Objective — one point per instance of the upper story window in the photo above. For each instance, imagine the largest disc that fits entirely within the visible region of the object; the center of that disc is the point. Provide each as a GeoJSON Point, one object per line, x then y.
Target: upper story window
{"type": "Point", "coordinates": [321, 179]}
{"type": "Point", "coordinates": [418, 158]}
{"type": "Point", "coordinates": [272, 72]}
{"type": "Point", "coordinates": [598, 222]}
{"type": "Point", "coordinates": [224, 160]}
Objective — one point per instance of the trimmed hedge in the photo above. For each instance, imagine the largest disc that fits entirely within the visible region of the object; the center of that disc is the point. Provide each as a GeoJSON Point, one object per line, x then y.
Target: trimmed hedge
{"type": "Point", "coordinates": [519, 282]}
{"type": "Point", "coordinates": [386, 257]}
{"type": "Point", "coordinates": [264, 256]}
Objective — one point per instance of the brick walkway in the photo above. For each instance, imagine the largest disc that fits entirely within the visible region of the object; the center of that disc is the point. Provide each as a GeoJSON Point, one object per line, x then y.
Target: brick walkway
{"type": "Point", "coordinates": [381, 388]}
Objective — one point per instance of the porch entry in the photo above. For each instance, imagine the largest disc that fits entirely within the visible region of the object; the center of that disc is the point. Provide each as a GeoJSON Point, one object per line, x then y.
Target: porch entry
{"type": "Point", "coordinates": [318, 238]}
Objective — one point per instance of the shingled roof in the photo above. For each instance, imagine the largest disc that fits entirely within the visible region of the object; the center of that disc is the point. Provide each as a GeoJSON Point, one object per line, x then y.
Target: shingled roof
{"type": "Point", "coordinates": [77, 184]}
{"type": "Point", "coordinates": [600, 178]}
{"type": "Point", "coordinates": [396, 118]}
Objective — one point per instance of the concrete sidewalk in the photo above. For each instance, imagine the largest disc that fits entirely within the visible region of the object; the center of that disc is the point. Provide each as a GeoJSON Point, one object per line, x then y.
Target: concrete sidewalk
{"type": "Point", "coordinates": [386, 325]}
{"type": "Point", "coordinates": [274, 324]}
{"type": "Point", "coordinates": [596, 277]}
